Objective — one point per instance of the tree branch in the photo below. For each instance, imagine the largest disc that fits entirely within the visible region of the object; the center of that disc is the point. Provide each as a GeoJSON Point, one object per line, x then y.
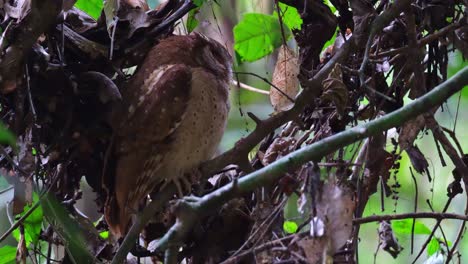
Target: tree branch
{"type": "Point", "coordinates": [42, 15]}
{"type": "Point", "coordinates": [239, 151]}
{"type": "Point", "coordinates": [438, 216]}
{"type": "Point", "coordinates": [192, 209]}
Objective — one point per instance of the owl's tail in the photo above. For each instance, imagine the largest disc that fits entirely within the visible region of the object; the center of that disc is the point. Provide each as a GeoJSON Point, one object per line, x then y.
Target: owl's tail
{"type": "Point", "coordinates": [118, 217]}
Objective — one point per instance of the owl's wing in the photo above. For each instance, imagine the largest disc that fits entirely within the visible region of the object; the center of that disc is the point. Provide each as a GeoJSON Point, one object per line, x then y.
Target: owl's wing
{"type": "Point", "coordinates": [159, 106]}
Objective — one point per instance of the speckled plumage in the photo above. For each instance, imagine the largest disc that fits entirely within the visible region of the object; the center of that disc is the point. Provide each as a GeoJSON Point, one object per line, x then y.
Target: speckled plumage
{"type": "Point", "coordinates": [173, 117]}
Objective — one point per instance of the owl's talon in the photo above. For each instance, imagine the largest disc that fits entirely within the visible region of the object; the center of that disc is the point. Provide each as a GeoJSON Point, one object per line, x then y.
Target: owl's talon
{"type": "Point", "coordinates": [195, 175]}
{"type": "Point", "coordinates": [183, 185]}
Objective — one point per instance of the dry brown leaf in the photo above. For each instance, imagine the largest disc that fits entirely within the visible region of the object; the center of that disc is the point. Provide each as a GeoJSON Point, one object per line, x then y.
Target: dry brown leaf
{"type": "Point", "coordinates": [285, 79]}
{"type": "Point", "coordinates": [418, 160]}
{"type": "Point", "coordinates": [388, 241]}
{"type": "Point", "coordinates": [335, 210]}
{"type": "Point", "coordinates": [314, 249]}
{"type": "Point", "coordinates": [279, 147]}
{"type": "Point", "coordinates": [136, 4]}
{"type": "Point", "coordinates": [22, 183]}
{"type": "Point", "coordinates": [79, 21]}
{"type": "Point", "coordinates": [17, 9]}
{"type": "Point", "coordinates": [68, 4]}
{"type": "Point", "coordinates": [409, 131]}
{"type": "Point", "coordinates": [335, 90]}
{"type": "Point", "coordinates": [21, 250]}
{"type": "Point", "coordinates": [337, 206]}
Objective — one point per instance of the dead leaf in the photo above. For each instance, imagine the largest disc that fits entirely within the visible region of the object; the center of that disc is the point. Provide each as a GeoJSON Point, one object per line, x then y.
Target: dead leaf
{"type": "Point", "coordinates": [334, 90]}
{"type": "Point", "coordinates": [314, 249]}
{"type": "Point", "coordinates": [68, 4]}
{"type": "Point", "coordinates": [79, 21]}
{"type": "Point", "coordinates": [134, 19]}
{"type": "Point", "coordinates": [111, 8]}
{"type": "Point", "coordinates": [17, 9]}
{"type": "Point", "coordinates": [135, 4]}
{"type": "Point", "coordinates": [332, 224]}
{"type": "Point", "coordinates": [285, 79]}
{"type": "Point", "coordinates": [22, 182]}
{"type": "Point", "coordinates": [21, 250]}
{"type": "Point", "coordinates": [388, 240]}
{"type": "Point", "coordinates": [418, 160]}
{"type": "Point", "coordinates": [365, 112]}
{"type": "Point", "coordinates": [337, 207]}
{"type": "Point", "coordinates": [410, 130]}
{"type": "Point", "coordinates": [280, 147]}
{"type": "Point", "coordinates": [378, 165]}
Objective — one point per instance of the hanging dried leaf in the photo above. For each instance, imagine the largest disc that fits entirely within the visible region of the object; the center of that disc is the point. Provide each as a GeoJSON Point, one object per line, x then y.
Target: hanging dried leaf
{"type": "Point", "coordinates": [365, 112]}
{"type": "Point", "coordinates": [388, 242]}
{"type": "Point", "coordinates": [68, 4]}
{"type": "Point", "coordinates": [335, 209]}
{"type": "Point", "coordinates": [314, 249]}
{"type": "Point", "coordinates": [17, 9]}
{"type": "Point", "coordinates": [79, 21]}
{"type": "Point", "coordinates": [378, 165]}
{"type": "Point", "coordinates": [335, 90]}
{"type": "Point", "coordinates": [409, 131]}
{"type": "Point", "coordinates": [111, 9]}
{"type": "Point", "coordinates": [135, 4]}
{"type": "Point", "coordinates": [21, 250]}
{"type": "Point", "coordinates": [337, 206]}
{"type": "Point", "coordinates": [280, 147]}
{"type": "Point", "coordinates": [418, 160]}
{"type": "Point", "coordinates": [285, 79]}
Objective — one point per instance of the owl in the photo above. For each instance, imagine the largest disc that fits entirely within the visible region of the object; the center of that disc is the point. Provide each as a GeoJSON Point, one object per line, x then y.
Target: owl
{"type": "Point", "coordinates": [173, 116]}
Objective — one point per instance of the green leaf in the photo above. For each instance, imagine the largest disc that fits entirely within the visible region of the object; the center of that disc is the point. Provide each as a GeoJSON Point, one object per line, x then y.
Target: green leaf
{"type": "Point", "coordinates": [290, 16]}
{"type": "Point", "coordinates": [257, 35]}
{"type": "Point", "coordinates": [32, 224]}
{"type": "Point", "coordinates": [6, 137]}
{"type": "Point", "coordinates": [192, 21]}
{"type": "Point", "coordinates": [330, 5]}
{"type": "Point", "coordinates": [104, 234]}
{"type": "Point", "coordinates": [290, 209]}
{"type": "Point", "coordinates": [290, 227]}
{"type": "Point", "coordinates": [68, 228]}
{"type": "Point", "coordinates": [90, 7]}
{"type": "Point", "coordinates": [405, 226]}
{"type": "Point", "coordinates": [199, 3]}
{"type": "Point", "coordinates": [433, 246]}
{"type": "Point", "coordinates": [7, 255]}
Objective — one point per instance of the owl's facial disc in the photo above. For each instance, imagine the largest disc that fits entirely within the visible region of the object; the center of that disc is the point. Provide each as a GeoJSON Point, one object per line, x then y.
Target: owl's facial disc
{"type": "Point", "coordinates": [216, 58]}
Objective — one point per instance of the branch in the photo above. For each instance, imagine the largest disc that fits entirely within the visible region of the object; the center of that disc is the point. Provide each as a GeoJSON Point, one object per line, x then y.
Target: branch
{"type": "Point", "coordinates": [438, 216]}
{"type": "Point", "coordinates": [191, 209]}
{"type": "Point", "coordinates": [237, 153]}
{"type": "Point", "coordinates": [42, 15]}
{"type": "Point", "coordinates": [377, 25]}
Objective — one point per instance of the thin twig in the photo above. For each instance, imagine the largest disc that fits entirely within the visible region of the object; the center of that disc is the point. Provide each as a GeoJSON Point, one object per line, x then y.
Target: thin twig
{"type": "Point", "coordinates": [249, 88]}
{"type": "Point", "coordinates": [438, 216]}
{"type": "Point", "coordinates": [267, 81]}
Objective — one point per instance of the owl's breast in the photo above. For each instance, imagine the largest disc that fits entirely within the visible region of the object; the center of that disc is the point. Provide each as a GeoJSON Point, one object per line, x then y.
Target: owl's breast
{"type": "Point", "coordinates": [198, 135]}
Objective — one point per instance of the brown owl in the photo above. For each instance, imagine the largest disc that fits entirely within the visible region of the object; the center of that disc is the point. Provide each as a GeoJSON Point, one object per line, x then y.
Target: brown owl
{"type": "Point", "coordinates": [173, 117]}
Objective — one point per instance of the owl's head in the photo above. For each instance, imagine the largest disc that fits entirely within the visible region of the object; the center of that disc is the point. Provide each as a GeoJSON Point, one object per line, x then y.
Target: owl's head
{"type": "Point", "coordinates": [212, 55]}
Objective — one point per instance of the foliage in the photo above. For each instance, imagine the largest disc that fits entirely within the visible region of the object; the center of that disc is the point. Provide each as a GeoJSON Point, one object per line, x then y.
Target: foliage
{"type": "Point", "coordinates": [405, 226]}
{"type": "Point", "coordinates": [257, 35]}
{"type": "Point", "coordinates": [6, 137]}
{"type": "Point", "coordinates": [91, 7]}
{"type": "Point", "coordinates": [62, 119]}
{"type": "Point", "coordinates": [7, 255]}
{"type": "Point", "coordinates": [32, 224]}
